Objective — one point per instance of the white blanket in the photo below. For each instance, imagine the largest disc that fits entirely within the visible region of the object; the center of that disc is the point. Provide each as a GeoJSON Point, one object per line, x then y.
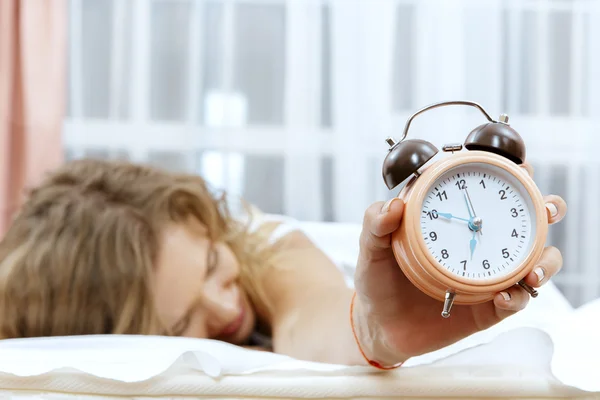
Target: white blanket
{"type": "Point", "coordinates": [516, 364]}
{"type": "Point", "coordinates": [547, 350]}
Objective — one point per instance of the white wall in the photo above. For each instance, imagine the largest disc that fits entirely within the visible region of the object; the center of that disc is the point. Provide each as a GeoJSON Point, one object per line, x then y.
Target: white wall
{"type": "Point", "coordinates": [299, 95]}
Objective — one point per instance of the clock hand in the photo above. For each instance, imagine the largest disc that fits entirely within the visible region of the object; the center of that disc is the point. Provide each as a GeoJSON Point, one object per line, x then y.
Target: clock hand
{"type": "Point", "coordinates": [473, 243]}
{"type": "Point", "coordinates": [450, 216]}
{"type": "Point", "coordinates": [468, 205]}
{"type": "Point", "coordinates": [477, 226]}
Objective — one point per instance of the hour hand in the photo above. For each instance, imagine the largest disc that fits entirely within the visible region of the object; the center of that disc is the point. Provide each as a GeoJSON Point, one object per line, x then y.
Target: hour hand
{"type": "Point", "coordinates": [473, 243]}
{"type": "Point", "coordinates": [450, 216]}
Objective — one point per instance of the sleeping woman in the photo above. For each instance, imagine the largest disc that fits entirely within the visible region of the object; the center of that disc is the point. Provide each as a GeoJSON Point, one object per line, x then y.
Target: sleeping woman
{"type": "Point", "coordinates": [106, 247]}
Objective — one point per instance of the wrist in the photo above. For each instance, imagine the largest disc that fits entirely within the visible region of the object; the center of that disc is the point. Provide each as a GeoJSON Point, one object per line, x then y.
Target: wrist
{"type": "Point", "coordinates": [369, 337]}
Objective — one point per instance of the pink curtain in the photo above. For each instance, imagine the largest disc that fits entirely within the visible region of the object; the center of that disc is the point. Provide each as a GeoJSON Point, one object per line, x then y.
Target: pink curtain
{"type": "Point", "coordinates": [33, 37]}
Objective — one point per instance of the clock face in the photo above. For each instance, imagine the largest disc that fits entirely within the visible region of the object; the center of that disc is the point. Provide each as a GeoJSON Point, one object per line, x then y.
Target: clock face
{"type": "Point", "coordinates": [477, 222]}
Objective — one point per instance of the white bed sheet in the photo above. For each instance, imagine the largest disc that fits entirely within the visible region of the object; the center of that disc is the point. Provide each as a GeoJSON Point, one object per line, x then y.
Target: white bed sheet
{"type": "Point", "coordinates": [548, 350]}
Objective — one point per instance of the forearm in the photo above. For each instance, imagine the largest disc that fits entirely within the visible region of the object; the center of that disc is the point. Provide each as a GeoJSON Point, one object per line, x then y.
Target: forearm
{"type": "Point", "coordinates": [321, 331]}
{"type": "Point", "coordinates": [311, 310]}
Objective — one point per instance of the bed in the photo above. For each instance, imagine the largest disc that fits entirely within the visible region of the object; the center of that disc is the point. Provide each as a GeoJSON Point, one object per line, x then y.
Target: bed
{"type": "Point", "coordinates": [547, 351]}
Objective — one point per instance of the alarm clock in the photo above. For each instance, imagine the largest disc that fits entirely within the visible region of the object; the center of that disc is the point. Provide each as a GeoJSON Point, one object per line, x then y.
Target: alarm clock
{"type": "Point", "coordinates": [474, 222]}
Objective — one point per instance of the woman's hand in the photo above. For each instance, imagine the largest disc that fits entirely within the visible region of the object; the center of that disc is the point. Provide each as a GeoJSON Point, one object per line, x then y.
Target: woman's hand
{"type": "Point", "coordinates": [395, 320]}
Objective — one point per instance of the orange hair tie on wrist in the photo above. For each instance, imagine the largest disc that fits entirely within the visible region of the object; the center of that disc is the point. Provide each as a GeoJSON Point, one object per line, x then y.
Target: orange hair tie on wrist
{"type": "Point", "coordinates": [371, 362]}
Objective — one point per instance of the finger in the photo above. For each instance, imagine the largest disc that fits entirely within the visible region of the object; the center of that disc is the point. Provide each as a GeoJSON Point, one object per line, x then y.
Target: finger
{"type": "Point", "coordinates": [556, 208]}
{"type": "Point", "coordinates": [529, 168]}
{"type": "Point", "coordinates": [548, 265]}
{"type": "Point", "coordinates": [380, 220]}
{"type": "Point", "coordinates": [510, 301]}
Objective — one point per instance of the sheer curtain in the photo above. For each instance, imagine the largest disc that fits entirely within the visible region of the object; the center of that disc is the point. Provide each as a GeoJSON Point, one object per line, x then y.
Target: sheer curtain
{"type": "Point", "coordinates": [32, 95]}
{"type": "Point", "coordinates": [288, 102]}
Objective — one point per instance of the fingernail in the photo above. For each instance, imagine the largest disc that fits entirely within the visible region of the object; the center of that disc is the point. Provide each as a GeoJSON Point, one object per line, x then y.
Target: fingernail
{"type": "Point", "coordinates": [539, 271]}
{"type": "Point", "coordinates": [552, 209]}
{"type": "Point", "coordinates": [506, 295]}
{"type": "Point", "coordinates": [387, 205]}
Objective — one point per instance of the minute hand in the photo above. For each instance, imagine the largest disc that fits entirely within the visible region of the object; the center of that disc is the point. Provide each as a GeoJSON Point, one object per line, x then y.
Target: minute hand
{"type": "Point", "coordinates": [468, 205]}
{"type": "Point", "coordinates": [471, 209]}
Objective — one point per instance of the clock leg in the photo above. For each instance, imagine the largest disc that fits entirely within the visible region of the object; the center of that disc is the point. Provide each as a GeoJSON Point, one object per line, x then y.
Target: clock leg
{"type": "Point", "coordinates": [528, 288]}
{"type": "Point", "coordinates": [448, 301]}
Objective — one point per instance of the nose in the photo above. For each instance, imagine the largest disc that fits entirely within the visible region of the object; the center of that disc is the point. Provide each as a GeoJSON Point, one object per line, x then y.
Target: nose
{"type": "Point", "coordinates": [222, 305]}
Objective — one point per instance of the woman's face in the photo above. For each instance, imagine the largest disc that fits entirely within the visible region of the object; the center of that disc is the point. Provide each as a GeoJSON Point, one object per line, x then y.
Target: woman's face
{"type": "Point", "coordinates": [197, 289]}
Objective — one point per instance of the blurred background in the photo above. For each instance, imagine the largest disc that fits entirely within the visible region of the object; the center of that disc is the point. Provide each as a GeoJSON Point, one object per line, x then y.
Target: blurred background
{"type": "Point", "coordinates": [287, 103]}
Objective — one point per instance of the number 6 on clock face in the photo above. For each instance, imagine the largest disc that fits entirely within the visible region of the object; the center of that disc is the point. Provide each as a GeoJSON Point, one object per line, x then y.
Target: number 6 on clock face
{"type": "Point", "coordinates": [476, 221]}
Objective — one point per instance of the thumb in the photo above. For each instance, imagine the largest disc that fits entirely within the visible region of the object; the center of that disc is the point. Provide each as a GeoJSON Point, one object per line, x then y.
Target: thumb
{"type": "Point", "coordinates": [380, 220]}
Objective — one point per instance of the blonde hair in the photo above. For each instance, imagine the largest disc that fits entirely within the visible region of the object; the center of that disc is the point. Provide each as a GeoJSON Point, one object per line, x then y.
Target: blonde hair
{"type": "Point", "coordinates": [79, 256]}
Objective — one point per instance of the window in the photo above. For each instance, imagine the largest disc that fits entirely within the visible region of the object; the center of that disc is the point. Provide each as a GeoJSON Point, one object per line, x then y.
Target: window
{"type": "Point", "coordinates": [300, 96]}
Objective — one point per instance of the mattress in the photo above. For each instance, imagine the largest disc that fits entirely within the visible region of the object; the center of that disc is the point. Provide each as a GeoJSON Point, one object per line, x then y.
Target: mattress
{"type": "Point", "coordinates": [548, 350]}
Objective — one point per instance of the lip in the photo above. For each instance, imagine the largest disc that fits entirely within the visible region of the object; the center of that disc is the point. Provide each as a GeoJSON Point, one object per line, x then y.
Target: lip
{"type": "Point", "coordinates": [235, 325]}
